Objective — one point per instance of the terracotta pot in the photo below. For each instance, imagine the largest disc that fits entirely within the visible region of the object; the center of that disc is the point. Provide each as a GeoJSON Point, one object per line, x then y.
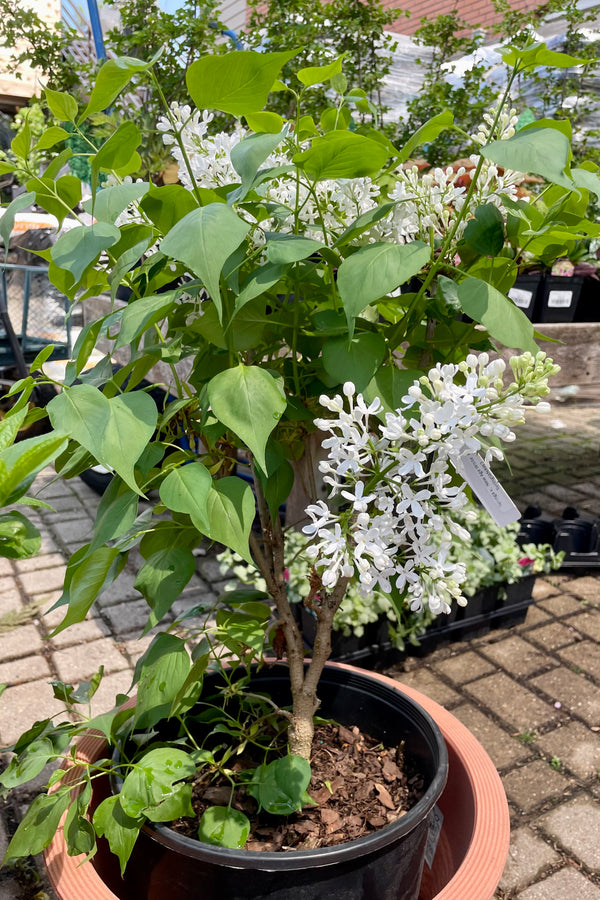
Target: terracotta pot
{"type": "Point", "coordinates": [472, 847]}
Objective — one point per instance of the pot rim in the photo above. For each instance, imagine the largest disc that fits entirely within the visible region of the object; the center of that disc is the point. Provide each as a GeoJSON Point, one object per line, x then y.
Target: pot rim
{"type": "Point", "coordinates": [477, 873]}
{"type": "Point", "coordinates": [328, 856]}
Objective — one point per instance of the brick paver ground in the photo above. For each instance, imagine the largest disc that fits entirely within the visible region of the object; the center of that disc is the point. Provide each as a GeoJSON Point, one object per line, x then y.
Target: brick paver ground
{"type": "Point", "coordinates": [530, 694]}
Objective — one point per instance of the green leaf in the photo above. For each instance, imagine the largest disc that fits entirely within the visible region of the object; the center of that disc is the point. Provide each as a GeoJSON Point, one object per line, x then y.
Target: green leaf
{"type": "Point", "coordinates": [19, 538]}
{"type": "Point", "coordinates": [290, 248]}
{"type": "Point", "coordinates": [504, 321]}
{"type": "Point", "coordinates": [484, 233]}
{"type": "Point", "coordinates": [427, 133]}
{"type": "Point", "coordinates": [38, 826]}
{"type": "Point", "coordinates": [167, 204]}
{"type": "Point", "coordinates": [543, 151]}
{"type": "Point", "coordinates": [539, 55]}
{"type": "Point", "coordinates": [342, 154]}
{"type": "Point", "coordinates": [204, 240]}
{"type": "Point", "coordinates": [110, 81]}
{"type": "Point", "coordinates": [236, 83]}
{"type": "Point", "coordinates": [363, 222]}
{"type": "Point", "coordinates": [375, 270]}
{"type": "Point", "coordinates": [250, 153]}
{"type": "Point", "coordinates": [20, 463]}
{"type": "Point", "coordinates": [116, 512]}
{"type": "Point", "coordinates": [28, 764]}
{"type": "Point", "coordinates": [161, 673]}
{"type": "Point", "coordinates": [248, 401]}
{"type": "Point", "coordinates": [50, 137]}
{"type": "Point", "coordinates": [114, 431]}
{"type": "Point", "coordinates": [153, 788]}
{"type": "Point", "coordinates": [391, 384]}
{"type": "Point", "coordinates": [277, 486]}
{"type": "Point", "coordinates": [119, 829]}
{"type": "Point", "coordinates": [116, 152]}
{"type": "Point", "coordinates": [589, 181]}
{"type": "Point", "coordinates": [81, 246]}
{"type": "Point", "coordinates": [139, 315]}
{"type": "Point", "coordinates": [230, 511]}
{"type": "Point", "coordinates": [162, 578]}
{"type": "Point", "coordinates": [224, 827]}
{"type": "Point", "coordinates": [280, 786]}
{"type": "Point", "coordinates": [56, 197]}
{"type": "Point", "coordinates": [356, 360]}
{"type": "Point", "coordinates": [110, 202]}
{"type": "Point", "coordinates": [238, 631]}
{"type": "Point", "coordinates": [318, 74]}
{"type": "Point", "coordinates": [190, 691]}
{"type": "Point", "coordinates": [7, 220]}
{"type": "Point", "coordinates": [88, 574]}
{"type": "Point", "coordinates": [258, 282]}
{"type": "Point", "coordinates": [63, 106]}
{"type": "Point", "coordinates": [264, 122]}
{"type": "Point", "coordinates": [186, 490]}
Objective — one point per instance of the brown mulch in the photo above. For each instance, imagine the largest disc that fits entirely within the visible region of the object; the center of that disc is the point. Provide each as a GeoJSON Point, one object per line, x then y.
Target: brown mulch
{"type": "Point", "coordinates": [357, 784]}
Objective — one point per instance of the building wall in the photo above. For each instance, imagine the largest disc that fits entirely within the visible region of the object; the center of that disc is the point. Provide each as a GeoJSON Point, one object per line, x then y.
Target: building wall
{"type": "Point", "coordinates": [474, 12]}
{"type": "Point", "coordinates": [233, 14]}
{"type": "Point", "coordinates": [13, 91]}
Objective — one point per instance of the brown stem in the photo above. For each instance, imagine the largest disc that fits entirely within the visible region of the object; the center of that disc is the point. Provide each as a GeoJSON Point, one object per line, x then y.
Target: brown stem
{"type": "Point", "coordinates": [304, 695]}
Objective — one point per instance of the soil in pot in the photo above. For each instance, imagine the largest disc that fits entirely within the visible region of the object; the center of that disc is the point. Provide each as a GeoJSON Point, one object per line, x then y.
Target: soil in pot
{"type": "Point", "coordinates": [386, 863]}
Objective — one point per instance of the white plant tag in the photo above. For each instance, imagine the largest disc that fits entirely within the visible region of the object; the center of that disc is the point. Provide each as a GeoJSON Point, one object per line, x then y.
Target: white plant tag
{"type": "Point", "coordinates": [559, 299]}
{"type": "Point", "coordinates": [490, 492]}
{"type": "Point", "coordinates": [436, 821]}
{"type": "Point", "coordinates": [520, 297]}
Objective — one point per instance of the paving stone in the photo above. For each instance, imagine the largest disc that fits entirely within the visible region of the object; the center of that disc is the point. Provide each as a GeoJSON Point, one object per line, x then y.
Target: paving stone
{"type": "Point", "coordinates": [23, 669]}
{"type": "Point", "coordinates": [535, 616]}
{"type": "Point", "coordinates": [10, 596]}
{"type": "Point", "coordinates": [583, 656]}
{"type": "Point", "coordinates": [21, 641]}
{"type": "Point", "coordinates": [528, 856]}
{"type": "Point", "coordinates": [576, 825]}
{"type": "Point", "coordinates": [589, 623]}
{"type": "Point", "coordinates": [517, 706]}
{"type": "Point", "coordinates": [568, 884]}
{"type": "Point", "coordinates": [4, 837]}
{"type": "Point", "coordinates": [91, 629]}
{"type": "Point", "coordinates": [121, 589]}
{"type": "Point", "coordinates": [503, 749]}
{"type": "Point", "coordinates": [127, 617]}
{"type": "Point", "coordinates": [576, 746]}
{"type": "Point", "coordinates": [72, 531]}
{"type": "Point", "coordinates": [10, 889]}
{"type": "Point", "coordinates": [464, 666]}
{"type": "Point", "coordinates": [5, 567]}
{"type": "Point", "coordinates": [24, 704]}
{"type": "Point", "coordinates": [553, 636]}
{"type": "Point", "coordinates": [423, 680]}
{"type": "Point", "coordinates": [573, 691]}
{"type": "Point", "coordinates": [529, 785]}
{"type": "Point", "coordinates": [586, 587]}
{"type": "Point", "coordinates": [562, 605]}
{"type": "Point", "coordinates": [110, 686]}
{"type": "Point", "coordinates": [44, 580]}
{"type": "Point", "coordinates": [542, 589]}
{"type": "Point", "coordinates": [515, 655]}
{"type": "Point", "coordinates": [43, 561]}
{"type": "Point", "coordinates": [83, 660]}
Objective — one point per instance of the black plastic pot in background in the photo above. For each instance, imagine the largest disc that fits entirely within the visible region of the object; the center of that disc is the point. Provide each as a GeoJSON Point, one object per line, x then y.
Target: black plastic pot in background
{"type": "Point", "coordinates": [386, 865]}
{"type": "Point", "coordinates": [588, 308]}
{"type": "Point", "coordinates": [525, 293]}
{"type": "Point", "coordinates": [559, 298]}
{"type": "Point", "coordinates": [577, 536]}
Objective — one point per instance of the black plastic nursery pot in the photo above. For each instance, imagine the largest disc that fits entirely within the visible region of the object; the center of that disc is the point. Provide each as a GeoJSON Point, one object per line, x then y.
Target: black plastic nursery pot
{"type": "Point", "coordinates": [559, 298]}
{"type": "Point", "coordinates": [525, 292]}
{"type": "Point", "coordinates": [386, 864]}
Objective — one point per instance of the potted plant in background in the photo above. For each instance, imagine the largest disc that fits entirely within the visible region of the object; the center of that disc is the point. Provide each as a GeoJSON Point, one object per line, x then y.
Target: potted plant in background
{"type": "Point", "coordinates": [291, 241]}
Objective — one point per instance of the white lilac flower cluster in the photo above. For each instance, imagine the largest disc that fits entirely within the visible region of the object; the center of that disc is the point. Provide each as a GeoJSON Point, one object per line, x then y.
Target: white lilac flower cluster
{"type": "Point", "coordinates": [425, 205]}
{"type": "Point", "coordinates": [397, 486]}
